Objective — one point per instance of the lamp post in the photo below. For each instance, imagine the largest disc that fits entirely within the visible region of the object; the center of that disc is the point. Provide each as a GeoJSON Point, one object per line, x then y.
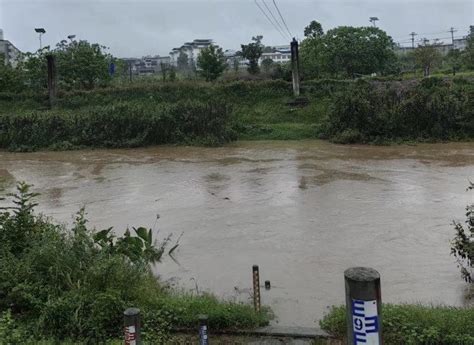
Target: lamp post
{"type": "Point", "coordinates": [373, 20]}
{"type": "Point", "coordinates": [71, 37]}
{"type": "Point", "coordinates": [40, 31]}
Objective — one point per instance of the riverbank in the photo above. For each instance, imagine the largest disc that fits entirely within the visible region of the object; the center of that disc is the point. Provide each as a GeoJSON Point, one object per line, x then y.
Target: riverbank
{"type": "Point", "coordinates": [75, 283]}
{"type": "Point", "coordinates": [292, 207]}
{"type": "Point", "coordinates": [197, 113]}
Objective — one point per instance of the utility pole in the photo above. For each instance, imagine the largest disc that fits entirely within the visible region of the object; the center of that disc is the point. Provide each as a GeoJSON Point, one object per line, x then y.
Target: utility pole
{"type": "Point", "coordinates": [413, 34]}
{"type": "Point", "coordinates": [295, 61]}
{"type": "Point", "coordinates": [452, 31]}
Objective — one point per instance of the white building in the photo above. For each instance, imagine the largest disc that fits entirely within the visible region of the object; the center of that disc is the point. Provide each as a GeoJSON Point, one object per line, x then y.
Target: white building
{"type": "Point", "coordinates": [191, 49]}
{"type": "Point", "coordinates": [279, 54]}
{"type": "Point", "coordinates": [147, 64]}
{"type": "Point", "coordinates": [10, 52]}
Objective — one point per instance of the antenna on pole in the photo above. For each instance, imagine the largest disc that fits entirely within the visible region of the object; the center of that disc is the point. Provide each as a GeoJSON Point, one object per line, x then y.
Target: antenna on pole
{"type": "Point", "coordinates": [452, 31]}
{"type": "Point", "coordinates": [413, 34]}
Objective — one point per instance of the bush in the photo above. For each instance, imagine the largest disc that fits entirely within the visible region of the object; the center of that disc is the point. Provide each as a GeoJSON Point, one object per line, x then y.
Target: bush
{"type": "Point", "coordinates": [432, 110]}
{"type": "Point", "coordinates": [75, 284]}
{"type": "Point", "coordinates": [462, 246]}
{"type": "Point", "coordinates": [413, 325]}
{"type": "Point", "coordinates": [124, 124]}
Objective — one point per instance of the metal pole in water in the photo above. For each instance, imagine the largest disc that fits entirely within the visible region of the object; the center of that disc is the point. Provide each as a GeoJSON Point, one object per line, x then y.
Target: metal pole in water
{"type": "Point", "coordinates": [131, 321]}
{"type": "Point", "coordinates": [256, 288]}
{"type": "Point", "coordinates": [363, 306]}
{"type": "Point", "coordinates": [203, 330]}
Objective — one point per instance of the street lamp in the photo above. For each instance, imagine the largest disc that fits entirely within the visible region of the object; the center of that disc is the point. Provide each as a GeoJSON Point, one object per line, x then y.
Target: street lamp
{"type": "Point", "coordinates": [40, 31]}
{"type": "Point", "coordinates": [373, 20]}
{"type": "Point", "coordinates": [71, 37]}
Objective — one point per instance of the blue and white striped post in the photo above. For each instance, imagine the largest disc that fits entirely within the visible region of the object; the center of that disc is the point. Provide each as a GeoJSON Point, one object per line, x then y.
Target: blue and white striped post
{"type": "Point", "coordinates": [363, 306]}
{"type": "Point", "coordinates": [203, 330]}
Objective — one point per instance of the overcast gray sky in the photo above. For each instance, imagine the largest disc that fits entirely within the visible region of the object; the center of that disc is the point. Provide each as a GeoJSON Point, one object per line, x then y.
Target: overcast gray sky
{"type": "Point", "coordinates": [136, 28]}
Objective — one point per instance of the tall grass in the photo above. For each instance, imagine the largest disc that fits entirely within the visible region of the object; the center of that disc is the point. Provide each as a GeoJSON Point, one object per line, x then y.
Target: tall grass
{"type": "Point", "coordinates": [413, 324]}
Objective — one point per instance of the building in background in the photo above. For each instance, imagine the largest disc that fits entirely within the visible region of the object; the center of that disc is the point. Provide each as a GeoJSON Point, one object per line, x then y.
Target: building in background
{"type": "Point", "coordinates": [10, 53]}
{"type": "Point", "coordinates": [191, 49]}
{"type": "Point", "coordinates": [278, 54]}
{"type": "Point", "coordinates": [148, 64]}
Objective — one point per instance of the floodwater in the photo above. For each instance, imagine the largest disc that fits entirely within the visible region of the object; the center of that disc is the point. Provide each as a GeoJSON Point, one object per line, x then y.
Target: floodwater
{"type": "Point", "coordinates": [303, 211]}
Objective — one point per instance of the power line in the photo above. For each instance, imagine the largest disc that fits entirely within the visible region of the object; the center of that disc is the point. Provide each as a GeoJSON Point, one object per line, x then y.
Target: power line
{"type": "Point", "coordinates": [282, 19]}
{"type": "Point", "coordinates": [424, 34]}
{"type": "Point", "coordinates": [433, 39]}
{"type": "Point", "coordinates": [271, 22]}
{"type": "Point", "coordinates": [271, 13]}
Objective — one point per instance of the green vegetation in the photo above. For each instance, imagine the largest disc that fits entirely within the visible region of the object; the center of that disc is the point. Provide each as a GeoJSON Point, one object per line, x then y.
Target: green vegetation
{"type": "Point", "coordinates": [413, 325]}
{"type": "Point", "coordinates": [94, 109]}
{"type": "Point", "coordinates": [252, 53]}
{"type": "Point", "coordinates": [211, 63]}
{"type": "Point", "coordinates": [434, 109]}
{"type": "Point", "coordinates": [191, 112]}
{"type": "Point", "coordinates": [346, 52]}
{"type": "Point", "coordinates": [462, 246]}
{"type": "Point", "coordinates": [74, 284]}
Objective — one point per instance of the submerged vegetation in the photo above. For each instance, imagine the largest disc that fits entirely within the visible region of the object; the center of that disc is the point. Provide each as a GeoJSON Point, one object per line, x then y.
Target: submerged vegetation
{"type": "Point", "coordinates": [75, 283]}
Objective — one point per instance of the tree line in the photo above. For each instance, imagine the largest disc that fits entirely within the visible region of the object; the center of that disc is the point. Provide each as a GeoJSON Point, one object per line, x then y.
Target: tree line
{"type": "Point", "coordinates": [340, 53]}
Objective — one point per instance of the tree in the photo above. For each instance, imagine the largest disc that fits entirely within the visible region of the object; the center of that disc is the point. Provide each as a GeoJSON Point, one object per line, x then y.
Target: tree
{"type": "Point", "coordinates": [252, 53]}
{"type": "Point", "coordinates": [163, 69]}
{"type": "Point", "coordinates": [267, 64]}
{"type": "Point", "coordinates": [454, 60]}
{"type": "Point", "coordinates": [313, 30]}
{"type": "Point", "coordinates": [211, 62]}
{"type": "Point", "coordinates": [34, 69]}
{"type": "Point", "coordinates": [183, 61]}
{"type": "Point", "coordinates": [462, 246]}
{"type": "Point", "coordinates": [426, 57]}
{"type": "Point", "coordinates": [11, 78]}
{"type": "Point", "coordinates": [172, 73]}
{"type": "Point", "coordinates": [236, 63]}
{"type": "Point", "coordinates": [311, 60]}
{"type": "Point", "coordinates": [82, 64]}
{"type": "Point", "coordinates": [468, 54]}
{"type": "Point", "coordinates": [356, 50]}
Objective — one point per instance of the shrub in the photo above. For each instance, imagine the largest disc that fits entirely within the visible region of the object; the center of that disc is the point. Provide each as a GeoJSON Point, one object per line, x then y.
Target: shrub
{"type": "Point", "coordinates": [125, 124]}
{"type": "Point", "coordinates": [413, 324]}
{"type": "Point", "coordinates": [462, 246]}
{"type": "Point", "coordinates": [432, 110]}
{"type": "Point", "coordinates": [76, 283]}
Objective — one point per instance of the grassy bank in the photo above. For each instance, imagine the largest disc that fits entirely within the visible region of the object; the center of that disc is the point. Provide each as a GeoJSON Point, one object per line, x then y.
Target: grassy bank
{"type": "Point", "coordinates": [193, 112]}
{"type": "Point", "coordinates": [74, 284]}
{"type": "Point", "coordinates": [413, 325]}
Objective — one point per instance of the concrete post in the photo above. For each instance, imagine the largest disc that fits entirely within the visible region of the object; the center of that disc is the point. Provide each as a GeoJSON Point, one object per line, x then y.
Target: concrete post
{"type": "Point", "coordinates": [256, 287]}
{"type": "Point", "coordinates": [203, 330]}
{"type": "Point", "coordinates": [51, 78]}
{"type": "Point", "coordinates": [363, 306]}
{"type": "Point", "coordinates": [131, 321]}
{"type": "Point", "coordinates": [295, 65]}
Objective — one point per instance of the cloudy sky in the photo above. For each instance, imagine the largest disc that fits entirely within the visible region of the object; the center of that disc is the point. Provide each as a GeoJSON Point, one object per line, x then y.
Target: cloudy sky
{"type": "Point", "coordinates": [142, 27]}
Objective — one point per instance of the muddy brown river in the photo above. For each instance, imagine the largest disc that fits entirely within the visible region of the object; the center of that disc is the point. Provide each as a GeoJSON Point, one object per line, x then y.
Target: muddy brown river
{"type": "Point", "coordinates": [303, 211]}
